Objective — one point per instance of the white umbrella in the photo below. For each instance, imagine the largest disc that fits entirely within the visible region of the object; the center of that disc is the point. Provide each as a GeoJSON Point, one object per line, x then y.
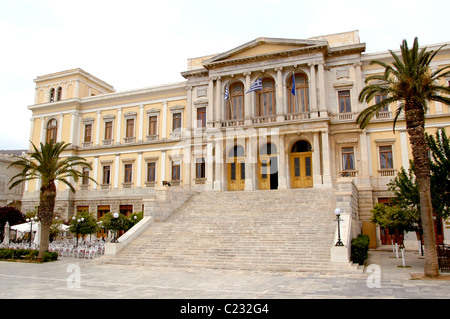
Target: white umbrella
{"type": "Point", "coordinates": [6, 238]}
{"type": "Point", "coordinates": [24, 228]}
{"type": "Point", "coordinates": [37, 236]}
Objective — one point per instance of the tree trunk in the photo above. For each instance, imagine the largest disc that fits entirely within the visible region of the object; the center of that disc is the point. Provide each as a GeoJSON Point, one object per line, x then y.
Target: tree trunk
{"type": "Point", "coordinates": [45, 214]}
{"type": "Point", "coordinates": [415, 125]}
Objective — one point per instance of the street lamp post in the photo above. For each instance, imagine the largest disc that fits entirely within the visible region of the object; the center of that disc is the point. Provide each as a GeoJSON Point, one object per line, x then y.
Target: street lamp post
{"type": "Point", "coordinates": [32, 219]}
{"type": "Point", "coordinates": [116, 216]}
{"type": "Point", "coordinates": [338, 212]}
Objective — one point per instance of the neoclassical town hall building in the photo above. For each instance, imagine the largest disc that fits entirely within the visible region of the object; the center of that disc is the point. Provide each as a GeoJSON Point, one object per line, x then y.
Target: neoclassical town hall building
{"type": "Point", "coordinates": [270, 114]}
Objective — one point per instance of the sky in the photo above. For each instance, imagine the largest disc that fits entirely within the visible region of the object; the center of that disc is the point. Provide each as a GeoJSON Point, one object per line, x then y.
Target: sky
{"type": "Point", "coordinates": [142, 43]}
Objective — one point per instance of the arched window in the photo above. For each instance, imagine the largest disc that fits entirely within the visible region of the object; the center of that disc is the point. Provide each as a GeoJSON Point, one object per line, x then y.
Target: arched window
{"type": "Point", "coordinates": [52, 95]}
{"type": "Point", "coordinates": [268, 149]}
{"type": "Point", "coordinates": [59, 94]}
{"type": "Point", "coordinates": [236, 102]}
{"type": "Point", "coordinates": [265, 98]}
{"type": "Point", "coordinates": [52, 128]}
{"type": "Point", "coordinates": [301, 146]}
{"type": "Point", "coordinates": [236, 151]}
{"type": "Point", "coordinates": [300, 102]}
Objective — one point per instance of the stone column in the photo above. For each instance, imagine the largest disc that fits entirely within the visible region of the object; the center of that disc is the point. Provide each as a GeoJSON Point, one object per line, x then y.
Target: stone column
{"type": "Point", "coordinates": [141, 123]}
{"type": "Point", "coordinates": [72, 131]}
{"type": "Point", "coordinates": [95, 172]}
{"type": "Point", "coordinates": [322, 99]}
{"type": "Point", "coordinates": [358, 83]}
{"type": "Point", "coordinates": [218, 166]}
{"type": "Point", "coordinates": [119, 125]}
{"type": "Point", "coordinates": [282, 165]}
{"type": "Point", "coordinates": [116, 171]}
{"type": "Point", "coordinates": [404, 149]}
{"type": "Point", "coordinates": [326, 176]}
{"type": "Point", "coordinates": [313, 89]}
{"type": "Point", "coordinates": [164, 121]}
{"type": "Point", "coordinates": [280, 95]}
{"type": "Point", "coordinates": [209, 165]}
{"type": "Point", "coordinates": [251, 162]}
{"type": "Point", "coordinates": [163, 165]}
{"type": "Point", "coordinates": [43, 130]}
{"type": "Point", "coordinates": [218, 104]}
{"type": "Point", "coordinates": [139, 170]}
{"type": "Point", "coordinates": [30, 147]}
{"type": "Point", "coordinates": [210, 108]}
{"type": "Point", "coordinates": [247, 100]}
{"type": "Point", "coordinates": [189, 111]}
{"type": "Point", "coordinates": [317, 175]}
{"type": "Point", "coordinates": [98, 126]}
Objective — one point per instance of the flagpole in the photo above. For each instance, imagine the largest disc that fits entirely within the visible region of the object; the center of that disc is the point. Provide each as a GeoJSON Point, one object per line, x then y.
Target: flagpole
{"type": "Point", "coordinates": [294, 91]}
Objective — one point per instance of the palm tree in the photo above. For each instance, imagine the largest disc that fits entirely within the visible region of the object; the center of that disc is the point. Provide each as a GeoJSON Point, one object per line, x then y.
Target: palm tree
{"type": "Point", "coordinates": [410, 82]}
{"type": "Point", "coordinates": [49, 166]}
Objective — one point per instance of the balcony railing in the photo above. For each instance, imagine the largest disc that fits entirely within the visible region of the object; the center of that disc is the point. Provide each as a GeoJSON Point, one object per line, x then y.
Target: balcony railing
{"type": "Point", "coordinates": [387, 172]}
{"type": "Point", "coordinates": [297, 116]}
{"type": "Point", "coordinates": [349, 173]}
{"type": "Point", "coordinates": [383, 115]}
{"type": "Point", "coordinates": [232, 123]}
{"type": "Point", "coordinates": [264, 119]}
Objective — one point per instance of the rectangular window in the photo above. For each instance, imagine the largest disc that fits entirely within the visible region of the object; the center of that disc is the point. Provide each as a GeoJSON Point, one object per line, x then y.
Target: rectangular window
{"type": "Point", "coordinates": [128, 178]}
{"type": "Point", "coordinates": [106, 175]}
{"type": "Point", "coordinates": [308, 170]}
{"type": "Point", "coordinates": [153, 125]}
{"type": "Point", "coordinates": [344, 101]}
{"type": "Point", "coordinates": [85, 180]}
{"type": "Point", "coordinates": [348, 159]}
{"type": "Point", "coordinates": [379, 98]}
{"type": "Point", "coordinates": [233, 171]}
{"type": "Point", "coordinates": [108, 130]}
{"type": "Point", "coordinates": [126, 210]}
{"type": "Point", "coordinates": [386, 157]}
{"type": "Point", "coordinates": [102, 210]}
{"type": "Point", "coordinates": [151, 172]}
{"type": "Point", "coordinates": [176, 171]}
{"type": "Point", "coordinates": [200, 168]}
{"type": "Point", "coordinates": [88, 133]}
{"type": "Point", "coordinates": [201, 117]}
{"type": "Point", "coordinates": [3, 183]}
{"type": "Point", "coordinates": [130, 128]}
{"type": "Point", "coordinates": [82, 209]}
{"type": "Point", "coordinates": [176, 122]}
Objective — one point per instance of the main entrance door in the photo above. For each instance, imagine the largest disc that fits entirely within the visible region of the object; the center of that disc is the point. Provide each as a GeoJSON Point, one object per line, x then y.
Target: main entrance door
{"type": "Point", "coordinates": [301, 165]}
{"type": "Point", "coordinates": [236, 169]}
{"type": "Point", "coordinates": [268, 167]}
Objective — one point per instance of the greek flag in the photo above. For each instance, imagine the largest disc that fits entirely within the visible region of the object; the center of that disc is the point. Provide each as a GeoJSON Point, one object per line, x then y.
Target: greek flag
{"type": "Point", "coordinates": [293, 85]}
{"type": "Point", "coordinates": [227, 93]}
{"type": "Point", "coordinates": [256, 86]}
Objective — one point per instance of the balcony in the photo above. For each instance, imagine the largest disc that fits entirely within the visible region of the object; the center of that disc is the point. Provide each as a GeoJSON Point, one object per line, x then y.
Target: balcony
{"type": "Point", "coordinates": [349, 173]}
{"type": "Point", "coordinates": [387, 172]}
{"type": "Point", "coordinates": [264, 119]}
{"type": "Point", "coordinates": [384, 115]}
{"type": "Point", "coordinates": [297, 116]}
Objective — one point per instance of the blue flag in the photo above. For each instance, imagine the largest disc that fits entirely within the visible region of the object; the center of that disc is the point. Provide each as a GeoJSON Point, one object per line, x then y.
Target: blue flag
{"type": "Point", "coordinates": [293, 85]}
{"type": "Point", "coordinates": [227, 93]}
{"type": "Point", "coordinates": [256, 86]}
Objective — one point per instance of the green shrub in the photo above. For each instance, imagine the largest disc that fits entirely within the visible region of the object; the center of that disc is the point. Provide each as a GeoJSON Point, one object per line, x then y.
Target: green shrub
{"type": "Point", "coordinates": [6, 253]}
{"type": "Point", "coordinates": [49, 256]}
{"type": "Point", "coordinates": [360, 249]}
{"type": "Point", "coordinates": [29, 254]}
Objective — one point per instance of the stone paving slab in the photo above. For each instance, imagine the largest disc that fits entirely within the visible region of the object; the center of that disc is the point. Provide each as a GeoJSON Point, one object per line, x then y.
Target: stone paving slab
{"type": "Point", "coordinates": [71, 278]}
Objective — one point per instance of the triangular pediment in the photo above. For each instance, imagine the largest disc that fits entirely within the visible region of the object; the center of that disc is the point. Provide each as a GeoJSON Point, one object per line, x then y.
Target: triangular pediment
{"type": "Point", "coordinates": [264, 48]}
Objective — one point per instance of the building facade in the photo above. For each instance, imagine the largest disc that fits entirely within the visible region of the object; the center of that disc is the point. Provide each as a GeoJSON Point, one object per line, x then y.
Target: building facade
{"type": "Point", "coordinates": [270, 114]}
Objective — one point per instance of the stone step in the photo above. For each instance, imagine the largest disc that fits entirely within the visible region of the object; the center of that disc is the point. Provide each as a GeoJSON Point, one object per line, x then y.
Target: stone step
{"type": "Point", "coordinates": [288, 230]}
